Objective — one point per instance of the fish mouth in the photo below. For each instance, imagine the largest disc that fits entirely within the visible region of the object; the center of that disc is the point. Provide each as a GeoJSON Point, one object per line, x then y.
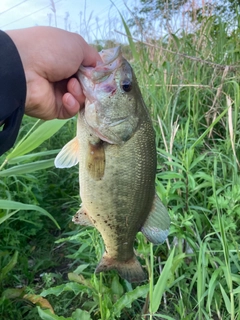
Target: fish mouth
{"type": "Point", "coordinates": [115, 122]}
{"type": "Point", "coordinates": [111, 61]}
{"type": "Point", "coordinates": [110, 55]}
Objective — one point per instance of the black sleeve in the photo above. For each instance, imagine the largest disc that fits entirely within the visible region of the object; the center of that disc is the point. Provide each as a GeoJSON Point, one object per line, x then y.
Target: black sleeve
{"type": "Point", "coordinates": [12, 92]}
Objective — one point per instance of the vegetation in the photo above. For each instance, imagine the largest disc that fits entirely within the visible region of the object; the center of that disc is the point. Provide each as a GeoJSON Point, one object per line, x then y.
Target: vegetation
{"type": "Point", "coordinates": [190, 81]}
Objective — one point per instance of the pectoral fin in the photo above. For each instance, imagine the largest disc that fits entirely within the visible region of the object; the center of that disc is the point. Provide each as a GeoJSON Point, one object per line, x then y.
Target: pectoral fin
{"type": "Point", "coordinates": [81, 217]}
{"type": "Point", "coordinates": [69, 155]}
{"type": "Point", "coordinates": [156, 227]}
{"type": "Point", "coordinates": [96, 160]}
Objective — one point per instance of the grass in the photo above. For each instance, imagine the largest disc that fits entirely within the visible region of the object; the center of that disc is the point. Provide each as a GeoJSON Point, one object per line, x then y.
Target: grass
{"type": "Point", "coordinates": [191, 86]}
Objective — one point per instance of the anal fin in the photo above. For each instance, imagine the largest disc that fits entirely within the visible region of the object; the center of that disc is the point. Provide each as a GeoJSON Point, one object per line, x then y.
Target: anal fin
{"type": "Point", "coordinates": [156, 227]}
{"type": "Point", "coordinates": [81, 217]}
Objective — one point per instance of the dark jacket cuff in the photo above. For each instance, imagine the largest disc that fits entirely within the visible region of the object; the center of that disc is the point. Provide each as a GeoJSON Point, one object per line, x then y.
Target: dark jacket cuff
{"type": "Point", "coordinates": [12, 92]}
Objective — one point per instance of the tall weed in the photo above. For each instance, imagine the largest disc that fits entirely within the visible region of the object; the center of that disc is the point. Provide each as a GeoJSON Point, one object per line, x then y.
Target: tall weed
{"type": "Point", "coordinates": [190, 82]}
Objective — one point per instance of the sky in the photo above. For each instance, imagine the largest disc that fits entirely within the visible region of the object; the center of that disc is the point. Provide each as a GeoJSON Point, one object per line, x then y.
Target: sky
{"type": "Point", "coordinates": [93, 19]}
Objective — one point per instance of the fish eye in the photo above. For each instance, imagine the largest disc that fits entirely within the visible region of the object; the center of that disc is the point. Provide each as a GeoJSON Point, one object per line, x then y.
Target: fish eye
{"type": "Point", "coordinates": [126, 85]}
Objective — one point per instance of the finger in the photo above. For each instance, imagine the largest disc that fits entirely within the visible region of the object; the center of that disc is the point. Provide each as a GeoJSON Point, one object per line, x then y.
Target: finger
{"type": "Point", "coordinates": [90, 56]}
{"type": "Point", "coordinates": [70, 106]}
{"type": "Point", "coordinates": [74, 87]}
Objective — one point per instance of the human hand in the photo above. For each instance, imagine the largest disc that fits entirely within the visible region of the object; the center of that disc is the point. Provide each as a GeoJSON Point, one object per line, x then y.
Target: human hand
{"type": "Point", "coordinates": [50, 58]}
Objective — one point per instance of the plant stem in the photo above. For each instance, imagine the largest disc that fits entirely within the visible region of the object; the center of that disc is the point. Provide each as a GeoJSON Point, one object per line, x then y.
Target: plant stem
{"type": "Point", "coordinates": [150, 270]}
{"type": "Point", "coordinates": [100, 297]}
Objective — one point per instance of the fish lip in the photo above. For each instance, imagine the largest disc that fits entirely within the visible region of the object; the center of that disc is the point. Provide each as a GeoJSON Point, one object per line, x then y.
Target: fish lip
{"type": "Point", "coordinates": [109, 55]}
{"type": "Point", "coordinates": [111, 61]}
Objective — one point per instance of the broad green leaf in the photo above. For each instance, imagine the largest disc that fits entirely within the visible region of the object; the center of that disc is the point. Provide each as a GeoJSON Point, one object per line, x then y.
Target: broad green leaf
{"type": "Point", "coordinates": [116, 287]}
{"type": "Point", "coordinates": [81, 268]}
{"type": "Point", "coordinates": [14, 205]}
{"type": "Point", "coordinates": [47, 315]}
{"type": "Point", "coordinates": [128, 298]}
{"type": "Point", "coordinates": [160, 286]}
{"type": "Point", "coordinates": [79, 314]}
{"type": "Point", "coordinates": [4, 271]}
{"type": "Point", "coordinates": [27, 168]}
{"type": "Point", "coordinates": [70, 286]}
{"type": "Point", "coordinates": [37, 137]}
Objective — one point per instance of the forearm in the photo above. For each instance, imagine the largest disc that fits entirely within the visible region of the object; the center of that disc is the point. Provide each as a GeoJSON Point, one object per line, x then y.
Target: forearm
{"type": "Point", "coordinates": [12, 92]}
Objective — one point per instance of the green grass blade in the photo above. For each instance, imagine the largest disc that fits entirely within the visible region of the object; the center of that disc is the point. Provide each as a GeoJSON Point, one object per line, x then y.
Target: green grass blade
{"type": "Point", "coordinates": [31, 156]}
{"type": "Point", "coordinates": [201, 277]}
{"type": "Point", "coordinates": [4, 216]}
{"type": "Point", "coordinates": [212, 285]}
{"type": "Point", "coordinates": [37, 137]}
{"type": "Point", "coordinates": [4, 271]}
{"type": "Point", "coordinates": [199, 140]}
{"type": "Point", "coordinates": [226, 299]}
{"type": "Point", "coordinates": [27, 168]}
{"type": "Point", "coordinates": [129, 35]}
{"type": "Point", "coordinates": [130, 40]}
{"type": "Point", "coordinates": [160, 286]}
{"type": "Point", "coordinates": [237, 290]}
{"type": "Point", "coordinates": [13, 205]}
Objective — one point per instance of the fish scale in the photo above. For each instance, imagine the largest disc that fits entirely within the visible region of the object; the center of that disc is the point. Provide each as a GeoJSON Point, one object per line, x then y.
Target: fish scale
{"type": "Point", "coordinates": [115, 148]}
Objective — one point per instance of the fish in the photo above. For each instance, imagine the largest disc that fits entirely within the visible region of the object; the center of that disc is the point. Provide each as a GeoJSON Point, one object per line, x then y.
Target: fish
{"type": "Point", "coordinates": [116, 151]}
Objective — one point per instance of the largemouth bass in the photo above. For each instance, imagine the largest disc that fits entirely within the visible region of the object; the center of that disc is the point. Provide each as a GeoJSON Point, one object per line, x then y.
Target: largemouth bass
{"type": "Point", "coordinates": [116, 152]}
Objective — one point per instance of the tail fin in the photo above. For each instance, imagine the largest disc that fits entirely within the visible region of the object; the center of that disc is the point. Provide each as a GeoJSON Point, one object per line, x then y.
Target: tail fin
{"type": "Point", "coordinates": [130, 270]}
